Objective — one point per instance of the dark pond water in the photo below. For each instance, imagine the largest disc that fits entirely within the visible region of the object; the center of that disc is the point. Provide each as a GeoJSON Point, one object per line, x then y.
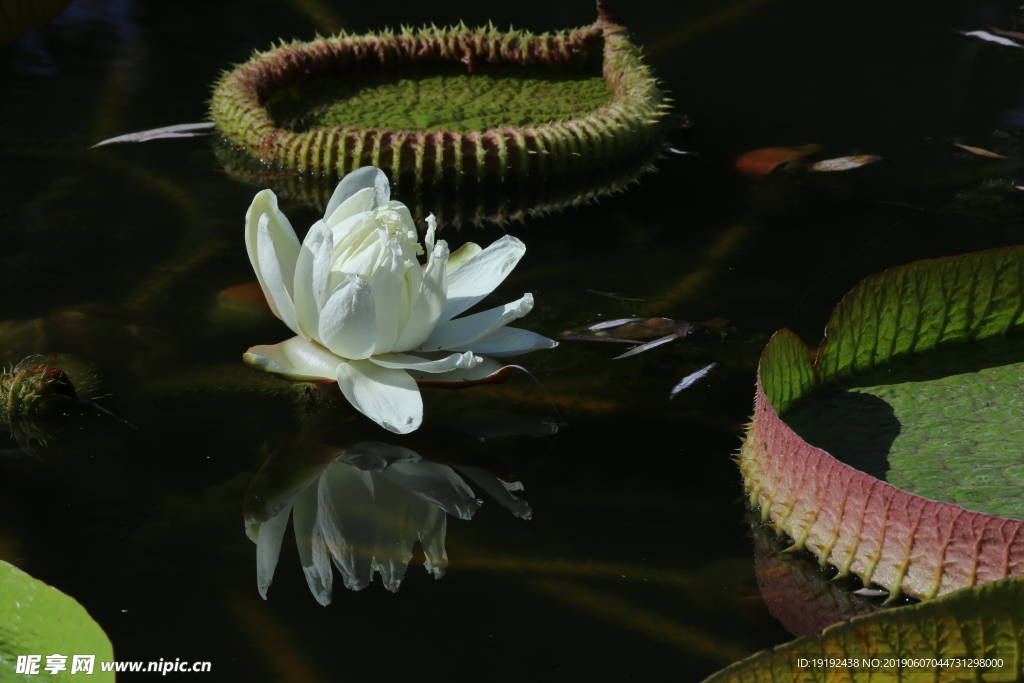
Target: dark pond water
{"type": "Point", "coordinates": [636, 564]}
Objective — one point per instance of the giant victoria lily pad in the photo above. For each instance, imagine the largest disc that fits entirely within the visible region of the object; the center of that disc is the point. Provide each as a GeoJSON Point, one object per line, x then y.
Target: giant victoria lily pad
{"type": "Point", "coordinates": [897, 452]}
{"type": "Point", "coordinates": [450, 106]}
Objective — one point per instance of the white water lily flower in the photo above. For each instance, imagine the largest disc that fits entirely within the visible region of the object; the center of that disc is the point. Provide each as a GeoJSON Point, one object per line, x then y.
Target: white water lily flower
{"type": "Point", "coordinates": [365, 509]}
{"type": "Point", "coordinates": [367, 314]}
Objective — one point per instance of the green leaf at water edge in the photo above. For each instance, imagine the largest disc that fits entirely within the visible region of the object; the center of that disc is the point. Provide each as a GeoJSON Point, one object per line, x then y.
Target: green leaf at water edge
{"type": "Point", "coordinates": [37, 619]}
{"type": "Point", "coordinates": [982, 623]}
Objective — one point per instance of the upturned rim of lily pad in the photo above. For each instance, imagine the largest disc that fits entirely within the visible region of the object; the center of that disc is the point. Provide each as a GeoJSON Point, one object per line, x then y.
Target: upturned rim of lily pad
{"type": "Point", "coordinates": [905, 543]}
{"type": "Point", "coordinates": [497, 204]}
{"type": "Point", "coordinates": [631, 124]}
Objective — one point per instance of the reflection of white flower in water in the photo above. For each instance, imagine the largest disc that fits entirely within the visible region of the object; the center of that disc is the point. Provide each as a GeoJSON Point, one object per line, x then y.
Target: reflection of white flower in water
{"type": "Point", "coordinates": [367, 314]}
{"type": "Point", "coordinates": [365, 509]}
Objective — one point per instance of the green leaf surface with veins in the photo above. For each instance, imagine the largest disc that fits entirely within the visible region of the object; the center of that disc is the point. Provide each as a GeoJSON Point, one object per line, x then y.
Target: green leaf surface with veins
{"type": "Point", "coordinates": [37, 619]}
{"type": "Point", "coordinates": [443, 97]}
{"type": "Point", "coordinates": [921, 381]}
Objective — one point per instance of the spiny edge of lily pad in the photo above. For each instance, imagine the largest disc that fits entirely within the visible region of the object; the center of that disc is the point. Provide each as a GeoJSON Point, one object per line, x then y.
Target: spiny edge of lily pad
{"type": "Point", "coordinates": [631, 123]}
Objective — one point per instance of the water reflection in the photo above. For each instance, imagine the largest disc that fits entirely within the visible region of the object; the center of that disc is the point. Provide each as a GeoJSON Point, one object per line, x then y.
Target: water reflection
{"type": "Point", "coordinates": [366, 506]}
{"type": "Point", "coordinates": [801, 594]}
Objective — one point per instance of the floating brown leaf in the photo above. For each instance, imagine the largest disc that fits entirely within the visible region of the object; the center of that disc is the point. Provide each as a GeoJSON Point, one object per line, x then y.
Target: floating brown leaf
{"type": "Point", "coordinates": [629, 330]}
{"type": "Point", "coordinates": [981, 152]}
{"type": "Point", "coordinates": [761, 162]}
{"type": "Point", "coordinates": [248, 295]}
{"type": "Point", "coordinates": [1008, 34]}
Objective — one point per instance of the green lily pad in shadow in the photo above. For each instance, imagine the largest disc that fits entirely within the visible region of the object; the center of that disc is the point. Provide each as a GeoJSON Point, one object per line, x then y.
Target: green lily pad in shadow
{"type": "Point", "coordinates": [972, 635]}
{"type": "Point", "coordinates": [36, 619]}
{"type": "Point", "coordinates": [897, 454]}
{"type": "Point", "coordinates": [945, 425]}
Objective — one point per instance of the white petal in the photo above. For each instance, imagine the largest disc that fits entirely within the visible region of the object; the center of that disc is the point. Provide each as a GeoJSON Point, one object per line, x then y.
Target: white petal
{"type": "Point", "coordinates": [460, 256]}
{"type": "Point", "coordinates": [404, 361]}
{"type": "Point", "coordinates": [392, 306]}
{"type": "Point", "coordinates": [359, 203]}
{"type": "Point", "coordinates": [316, 563]}
{"type": "Point", "coordinates": [268, 549]}
{"type": "Point", "coordinates": [265, 203]}
{"type": "Point", "coordinates": [320, 277]}
{"type": "Point", "coordinates": [276, 272]}
{"type": "Point", "coordinates": [463, 332]}
{"type": "Point", "coordinates": [484, 369]}
{"type": "Point", "coordinates": [307, 306]}
{"type": "Point", "coordinates": [346, 515]}
{"type": "Point", "coordinates": [348, 323]}
{"type": "Point", "coordinates": [404, 222]}
{"type": "Point", "coordinates": [428, 239]}
{"type": "Point", "coordinates": [295, 359]}
{"type": "Point", "coordinates": [481, 274]}
{"type": "Point", "coordinates": [388, 397]}
{"type": "Point", "coordinates": [381, 189]}
{"type": "Point", "coordinates": [357, 245]}
{"type": "Point", "coordinates": [429, 301]}
{"type": "Point", "coordinates": [412, 285]}
{"type": "Point", "coordinates": [509, 341]}
{"type": "Point", "coordinates": [437, 484]}
{"type": "Point", "coordinates": [499, 491]}
{"type": "Point", "coordinates": [368, 177]}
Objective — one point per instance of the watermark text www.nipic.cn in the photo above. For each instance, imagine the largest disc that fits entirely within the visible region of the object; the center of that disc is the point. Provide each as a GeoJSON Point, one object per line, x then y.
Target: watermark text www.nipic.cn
{"type": "Point", "coordinates": [86, 664]}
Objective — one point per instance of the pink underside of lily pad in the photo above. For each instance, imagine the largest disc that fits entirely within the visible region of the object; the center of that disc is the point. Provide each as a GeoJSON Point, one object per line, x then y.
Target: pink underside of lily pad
{"type": "Point", "coordinates": [860, 524]}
